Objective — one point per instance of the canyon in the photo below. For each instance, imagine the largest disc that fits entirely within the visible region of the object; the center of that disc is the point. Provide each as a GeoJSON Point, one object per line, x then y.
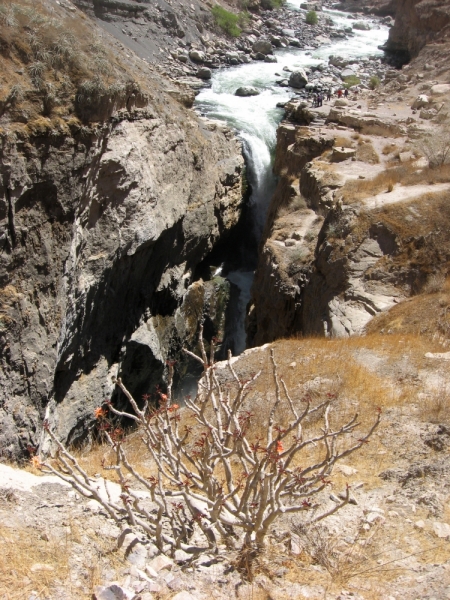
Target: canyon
{"type": "Point", "coordinates": [138, 201]}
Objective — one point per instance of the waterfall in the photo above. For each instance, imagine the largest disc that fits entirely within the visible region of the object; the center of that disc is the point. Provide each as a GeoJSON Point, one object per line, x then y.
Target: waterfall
{"type": "Point", "coordinates": [255, 120]}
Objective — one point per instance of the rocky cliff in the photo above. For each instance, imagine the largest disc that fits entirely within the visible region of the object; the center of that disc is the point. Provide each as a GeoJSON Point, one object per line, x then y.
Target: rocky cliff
{"type": "Point", "coordinates": [418, 23]}
{"type": "Point", "coordinates": [352, 229]}
{"type": "Point", "coordinates": [103, 223]}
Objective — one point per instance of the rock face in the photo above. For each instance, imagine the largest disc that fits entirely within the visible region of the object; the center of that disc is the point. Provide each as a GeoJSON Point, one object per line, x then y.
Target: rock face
{"type": "Point", "coordinates": [100, 237]}
{"type": "Point", "coordinates": [418, 22]}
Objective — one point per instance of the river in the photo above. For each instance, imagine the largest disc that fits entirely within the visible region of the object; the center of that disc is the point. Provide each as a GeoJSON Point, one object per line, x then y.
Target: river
{"type": "Point", "coordinates": [256, 119]}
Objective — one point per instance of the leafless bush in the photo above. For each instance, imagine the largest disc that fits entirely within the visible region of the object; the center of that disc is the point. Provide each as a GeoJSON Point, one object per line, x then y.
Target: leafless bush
{"type": "Point", "coordinates": [436, 148]}
{"type": "Point", "coordinates": [218, 476]}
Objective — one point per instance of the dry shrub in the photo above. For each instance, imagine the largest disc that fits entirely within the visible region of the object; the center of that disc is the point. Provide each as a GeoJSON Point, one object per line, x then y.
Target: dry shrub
{"type": "Point", "coordinates": [389, 149]}
{"type": "Point", "coordinates": [434, 405]}
{"type": "Point", "coordinates": [367, 153]}
{"type": "Point", "coordinates": [381, 130]}
{"type": "Point", "coordinates": [343, 142]}
{"type": "Point", "coordinates": [435, 283]}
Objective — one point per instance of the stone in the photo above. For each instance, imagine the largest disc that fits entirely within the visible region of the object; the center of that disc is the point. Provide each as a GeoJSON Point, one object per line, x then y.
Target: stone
{"type": "Point", "coordinates": [160, 562]}
{"type": "Point", "coordinates": [197, 56]}
{"type": "Point", "coordinates": [347, 73]}
{"type": "Point", "coordinates": [246, 91]}
{"type": "Point", "coordinates": [421, 101]}
{"type": "Point", "coordinates": [113, 591]}
{"type": "Point", "coordinates": [298, 79]}
{"type": "Point", "coordinates": [441, 530]}
{"type": "Point", "coordinates": [182, 556]}
{"type": "Point", "coordinates": [341, 102]}
{"type": "Point", "coordinates": [346, 470]}
{"type": "Point", "coordinates": [341, 154]}
{"type": "Point", "coordinates": [204, 73]}
{"type": "Point", "coordinates": [361, 25]}
{"type": "Point", "coordinates": [419, 524]}
{"type": "Point", "coordinates": [270, 59]}
{"type": "Point", "coordinates": [262, 46]}
{"type": "Point", "coordinates": [288, 243]}
{"type": "Point", "coordinates": [138, 556]}
{"type": "Point", "coordinates": [184, 596]}
{"type": "Point", "coordinates": [440, 89]}
{"type": "Point", "coordinates": [405, 157]}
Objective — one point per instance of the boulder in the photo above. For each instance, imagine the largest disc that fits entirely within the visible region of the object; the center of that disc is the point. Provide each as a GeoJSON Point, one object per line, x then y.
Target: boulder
{"type": "Point", "coordinates": [298, 79]}
{"type": "Point", "coordinates": [113, 592]}
{"type": "Point", "coordinates": [440, 88]}
{"type": "Point", "coordinates": [362, 26]}
{"type": "Point", "coordinates": [420, 101]}
{"type": "Point", "coordinates": [339, 154]}
{"type": "Point", "coordinates": [341, 102]}
{"type": "Point", "coordinates": [262, 46]}
{"type": "Point", "coordinates": [270, 59]}
{"type": "Point", "coordinates": [246, 91]}
{"type": "Point", "coordinates": [204, 73]}
{"type": "Point", "coordinates": [428, 114]}
{"type": "Point", "coordinates": [347, 73]}
{"type": "Point", "coordinates": [441, 530]}
{"type": "Point", "coordinates": [197, 56]}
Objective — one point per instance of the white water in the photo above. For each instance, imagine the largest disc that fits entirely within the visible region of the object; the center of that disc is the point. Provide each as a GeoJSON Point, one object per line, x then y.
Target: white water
{"type": "Point", "coordinates": [256, 120]}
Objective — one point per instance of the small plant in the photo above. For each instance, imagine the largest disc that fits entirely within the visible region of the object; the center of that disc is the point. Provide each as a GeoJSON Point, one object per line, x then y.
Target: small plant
{"type": "Point", "coordinates": [374, 82]}
{"type": "Point", "coordinates": [218, 476]}
{"type": "Point", "coordinates": [351, 81]}
{"type": "Point", "coordinates": [227, 21]}
{"type": "Point", "coordinates": [390, 187]}
{"type": "Point", "coordinates": [311, 17]}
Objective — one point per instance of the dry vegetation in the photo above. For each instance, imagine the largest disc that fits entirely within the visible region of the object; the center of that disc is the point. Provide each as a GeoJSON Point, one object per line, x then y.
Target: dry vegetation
{"type": "Point", "coordinates": [406, 175]}
{"type": "Point", "coordinates": [57, 64]}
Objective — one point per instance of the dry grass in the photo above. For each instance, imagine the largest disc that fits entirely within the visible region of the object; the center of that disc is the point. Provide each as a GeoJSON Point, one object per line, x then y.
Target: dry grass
{"type": "Point", "coordinates": [358, 189]}
{"type": "Point", "coordinates": [389, 149]}
{"type": "Point", "coordinates": [55, 61]}
{"type": "Point", "coordinates": [381, 131]}
{"type": "Point", "coordinates": [28, 562]}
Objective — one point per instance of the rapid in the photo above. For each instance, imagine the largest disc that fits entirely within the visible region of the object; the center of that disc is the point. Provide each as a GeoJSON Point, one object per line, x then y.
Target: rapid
{"type": "Point", "coordinates": [256, 119]}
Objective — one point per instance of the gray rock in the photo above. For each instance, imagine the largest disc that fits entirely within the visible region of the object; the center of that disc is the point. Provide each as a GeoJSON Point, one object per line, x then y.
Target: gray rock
{"type": "Point", "coordinates": [347, 73]}
{"type": "Point", "coordinates": [197, 56]}
{"type": "Point", "coordinates": [245, 91]}
{"type": "Point", "coordinates": [113, 592]}
{"type": "Point", "coordinates": [298, 79]}
{"type": "Point", "coordinates": [204, 73]}
{"type": "Point", "coordinates": [262, 47]}
{"type": "Point", "coordinates": [361, 25]}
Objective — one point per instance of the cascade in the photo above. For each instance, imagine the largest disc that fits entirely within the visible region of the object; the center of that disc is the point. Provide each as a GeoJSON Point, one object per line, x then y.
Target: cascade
{"type": "Point", "coordinates": [256, 119]}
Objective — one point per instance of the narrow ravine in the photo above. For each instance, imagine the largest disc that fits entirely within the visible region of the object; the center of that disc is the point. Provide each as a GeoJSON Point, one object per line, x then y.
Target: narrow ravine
{"type": "Point", "coordinates": [256, 119]}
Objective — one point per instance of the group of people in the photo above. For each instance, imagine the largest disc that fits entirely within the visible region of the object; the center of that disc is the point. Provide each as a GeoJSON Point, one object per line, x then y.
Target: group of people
{"type": "Point", "coordinates": [318, 98]}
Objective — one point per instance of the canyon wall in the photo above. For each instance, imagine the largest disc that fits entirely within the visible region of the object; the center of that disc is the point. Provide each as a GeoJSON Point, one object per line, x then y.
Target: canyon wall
{"type": "Point", "coordinates": [105, 213]}
{"type": "Point", "coordinates": [418, 23]}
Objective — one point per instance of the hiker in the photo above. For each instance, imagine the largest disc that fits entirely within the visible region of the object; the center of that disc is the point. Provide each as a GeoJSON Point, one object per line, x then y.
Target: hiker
{"type": "Point", "coordinates": [329, 95]}
{"type": "Point", "coordinates": [339, 93]}
{"type": "Point", "coordinates": [314, 100]}
{"type": "Point", "coordinates": [320, 99]}
{"type": "Point", "coordinates": [346, 92]}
